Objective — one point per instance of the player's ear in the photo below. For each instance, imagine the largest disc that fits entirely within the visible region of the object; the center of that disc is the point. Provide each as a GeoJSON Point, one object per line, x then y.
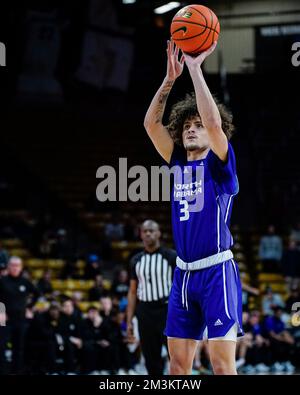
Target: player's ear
{"type": "Point", "coordinates": [159, 234]}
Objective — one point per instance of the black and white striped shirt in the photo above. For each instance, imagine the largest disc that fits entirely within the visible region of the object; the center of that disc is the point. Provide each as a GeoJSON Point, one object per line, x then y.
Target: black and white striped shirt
{"type": "Point", "coordinates": [154, 273]}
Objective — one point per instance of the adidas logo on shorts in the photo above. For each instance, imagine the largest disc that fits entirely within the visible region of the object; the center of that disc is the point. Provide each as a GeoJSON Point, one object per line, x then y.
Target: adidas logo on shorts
{"type": "Point", "coordinates": [218, 322]}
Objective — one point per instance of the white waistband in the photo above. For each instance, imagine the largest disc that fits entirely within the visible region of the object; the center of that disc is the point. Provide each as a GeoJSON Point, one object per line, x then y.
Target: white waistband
{"type": "Point", "coordinates": [205, 262]}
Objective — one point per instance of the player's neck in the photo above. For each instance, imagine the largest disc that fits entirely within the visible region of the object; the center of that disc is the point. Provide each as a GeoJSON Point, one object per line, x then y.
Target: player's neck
{"type": "Point", "coordinates": [197, 154]}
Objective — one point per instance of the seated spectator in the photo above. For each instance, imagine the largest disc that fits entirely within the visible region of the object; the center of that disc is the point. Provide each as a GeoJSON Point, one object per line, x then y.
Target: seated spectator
{"type": "Point", "coordinates": [281, 341]}
{"type": "Point", "coordinates": [93, 267]}
{"type": "Point", "coordinates": [291, 265]}
{"type": "Point", "coordinates": [97, 291]}
{"type": "Point", "coordinates": [243, 344]}
{"type": "Point", "coordinates": [106, 306]}
{"type": "Point", "coordinates": [45, 345]}
{"type": "Point", "coordinates": [71, 330]}
{"type": "Point", "coordinates": [77, 298]}
{"type": "Point", "coordinates": [294, 297]}
{"type": "Point", "coordinates": [246, 291]}
{"type": "Point", "coordinates": [269, 300]}
{"type": "Point", "coordinates": [119, 337]}
{"type": "Point", "coordinates": [44, 283]}
{"type": "Point", "coordinates": [270, 251]}
{"type": "Point", "coordinates": [258, 354]}
{"type": "Point", "coordinates": [99, 351]}
{"type": "Point", "coordinates": [120, 286]}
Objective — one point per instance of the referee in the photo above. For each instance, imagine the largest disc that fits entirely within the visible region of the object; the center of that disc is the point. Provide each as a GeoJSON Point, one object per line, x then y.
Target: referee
{"type": "Point", "coordinates": [150, 285]}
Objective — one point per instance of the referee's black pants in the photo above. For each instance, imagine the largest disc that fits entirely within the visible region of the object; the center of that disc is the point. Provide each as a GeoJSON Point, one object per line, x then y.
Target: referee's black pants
{"type": "Point", "coordinates": [152, 321]}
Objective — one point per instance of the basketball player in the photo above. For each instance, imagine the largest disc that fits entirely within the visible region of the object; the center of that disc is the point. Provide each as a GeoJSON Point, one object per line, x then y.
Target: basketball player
{"type": "Point", "coordinates": [205, 299]}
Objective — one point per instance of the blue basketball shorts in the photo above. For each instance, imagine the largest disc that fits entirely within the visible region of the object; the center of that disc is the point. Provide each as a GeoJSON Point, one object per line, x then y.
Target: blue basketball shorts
{"type": "Point", "coordinates": [207, 300]}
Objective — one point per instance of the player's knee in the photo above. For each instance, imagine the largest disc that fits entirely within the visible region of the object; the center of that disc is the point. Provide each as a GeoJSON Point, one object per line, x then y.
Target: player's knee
{"type": "Point", "coordinates": [222, 366]}
{"type": "Point", "coordinates": [179, 365]}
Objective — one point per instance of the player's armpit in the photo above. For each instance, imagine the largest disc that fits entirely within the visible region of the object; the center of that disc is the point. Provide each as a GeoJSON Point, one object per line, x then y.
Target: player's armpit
{"type": "Point", "coordinates": [224, 172]}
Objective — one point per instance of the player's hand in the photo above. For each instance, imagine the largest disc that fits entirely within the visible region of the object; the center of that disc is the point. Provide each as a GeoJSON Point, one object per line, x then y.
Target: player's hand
{"type": "Point", "coordinates": [194, 62]}
{"type": "Point", "coordinates": [175, 65]}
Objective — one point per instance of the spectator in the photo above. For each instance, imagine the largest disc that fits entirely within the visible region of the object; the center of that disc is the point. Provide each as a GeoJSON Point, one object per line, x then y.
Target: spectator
{"type": "Point", "coordinates": [97, 291]}
{"type": "Point", "coordinates": [15, 292]}
{"type": "Point", "coordinates": [45, 341]}
{"type": "Point", "coordinates": [291, 265]}
{"type": "Point", "coordinates": [293, 297]}
{"type": "Point", "coordinates": [120, 286]}
{"type": "Point", "coordinates": [106, 306]}
{"type": "Point", "coordinates": [99, 352]}
{"type": "Point", "coordinates": [118, 331]}
{"type": "Point", "coordinates": [269, 300]}
{"type": "Point", "coordinates": [44, 284]}
{"type": "Point", "coordinates": [71, 328]}
{"type": "Point", "coordinates": [93, 267]}
{"type": "Point", "coordinates": [77, 298]}
{"type": "Point", "coordinates": [281, 341]}
{"type": "Point", "coordinates": [270, 250]}
{"type": "Point", "coordinates": [258, 355]}
{"type": "Point", "coordinates": [243, 345]}
{"type": "Point", "coordinates": [246, 291]}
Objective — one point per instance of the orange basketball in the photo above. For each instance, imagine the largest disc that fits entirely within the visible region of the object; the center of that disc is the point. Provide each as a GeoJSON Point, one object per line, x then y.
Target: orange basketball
{"type": "Point", "coordinates": [194, 28]}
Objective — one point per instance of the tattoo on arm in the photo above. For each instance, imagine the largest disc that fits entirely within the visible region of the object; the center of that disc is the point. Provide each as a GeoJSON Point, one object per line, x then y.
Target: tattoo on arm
{"type": "Point", "coordinates": [162, 99]}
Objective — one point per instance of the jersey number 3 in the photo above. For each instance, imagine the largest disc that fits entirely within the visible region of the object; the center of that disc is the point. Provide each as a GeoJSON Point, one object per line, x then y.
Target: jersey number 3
{"type": "Point", "coordinates": [184, 211]}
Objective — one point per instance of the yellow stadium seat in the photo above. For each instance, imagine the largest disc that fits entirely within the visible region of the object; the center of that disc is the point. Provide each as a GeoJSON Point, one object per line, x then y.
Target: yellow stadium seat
{"type": "Point", "coordinates": [84, 306]}
{"type": "Point", "coordinates": [107, 284]}
{"type": "Point", "coordinates": [276, 287]}
{"type": "Point", "coordinates": [80, 264]}
{"type": "Point", "coordinates": [270, 277]}
{"type": "Point", "coordinates": [41, 306]}
{"type": "Point", "coordinates": [37, 273]}
{"type": "Point", "coordinates": [11, 243]}
{"type": "Point", "coordinates": [20, 252]}
{"type": "Point", "coordinates": [55, 263]}
{"type": "Point", "coordinates": [34, 263]}
{"type": "Point", "coordinates": [58, 284]}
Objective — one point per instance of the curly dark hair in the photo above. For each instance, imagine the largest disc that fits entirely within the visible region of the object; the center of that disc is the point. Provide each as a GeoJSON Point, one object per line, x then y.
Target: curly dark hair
{"type": "Point", "coordinates": [187, 108]}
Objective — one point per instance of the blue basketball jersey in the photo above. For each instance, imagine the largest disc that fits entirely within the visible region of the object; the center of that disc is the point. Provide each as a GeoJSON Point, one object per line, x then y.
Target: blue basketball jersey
{"type": "Point", "coordinates": [201, 199]}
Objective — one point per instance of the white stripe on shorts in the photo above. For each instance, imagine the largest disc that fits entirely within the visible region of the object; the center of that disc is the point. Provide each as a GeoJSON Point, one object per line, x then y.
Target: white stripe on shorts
{"type": "Point", "coordinates": [225, 293]}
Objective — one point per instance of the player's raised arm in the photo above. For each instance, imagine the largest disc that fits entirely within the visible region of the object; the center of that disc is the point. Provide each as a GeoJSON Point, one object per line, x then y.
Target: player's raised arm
{"type": "Point", "coordinates": [206, 105]}
{"type": "Point", "coordinates": [153, 119]}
